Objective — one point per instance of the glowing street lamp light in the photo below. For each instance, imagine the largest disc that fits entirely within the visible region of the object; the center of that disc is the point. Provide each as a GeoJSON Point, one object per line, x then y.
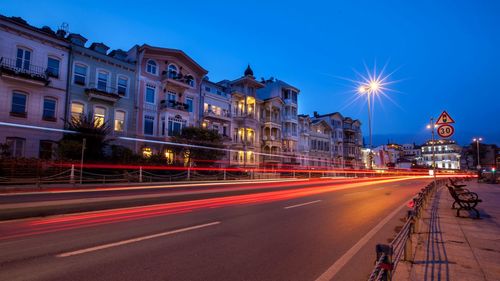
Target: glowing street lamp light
{"type": "Point", "coordinates": [370, 89]}
{"type": "Point", "coordinates": [477, 140]}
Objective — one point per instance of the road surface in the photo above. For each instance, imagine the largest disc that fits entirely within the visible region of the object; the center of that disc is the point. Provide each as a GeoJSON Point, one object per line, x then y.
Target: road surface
{"type": "Point", "coordinates": [314, 233]}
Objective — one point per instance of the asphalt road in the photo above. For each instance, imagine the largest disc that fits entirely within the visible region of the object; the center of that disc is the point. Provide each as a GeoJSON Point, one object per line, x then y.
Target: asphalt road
{"type": "Point", "coordinates": [295, 234]}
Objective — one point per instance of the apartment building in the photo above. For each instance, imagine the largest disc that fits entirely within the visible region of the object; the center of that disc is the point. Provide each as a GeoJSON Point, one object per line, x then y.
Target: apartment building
{"type": "Point", "coordinates": [168, 95]}
{"type": "Point", "coordinates": [102, 84]}
{"type": "Point", "coordinates": [446, 152]}
{"type": "Point", "coordinates": [33, 83]}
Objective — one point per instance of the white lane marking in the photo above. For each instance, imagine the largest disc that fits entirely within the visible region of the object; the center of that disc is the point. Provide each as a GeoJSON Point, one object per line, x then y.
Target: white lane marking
{"type": "Point", "coordinates": [303, 204]}
{"type": "Point", "coordinates": [342, 261]}
{"type": "Point", "coordinates": [138, 239]}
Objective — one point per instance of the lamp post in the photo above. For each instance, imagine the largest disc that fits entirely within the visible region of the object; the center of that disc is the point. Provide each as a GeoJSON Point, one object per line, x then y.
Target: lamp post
{"type": "Point", "coordinates": [477, 140]}
{"type": "Point", "coordinates": [432, 126]}
{"type": "Point", "coordinates": [369, 89]}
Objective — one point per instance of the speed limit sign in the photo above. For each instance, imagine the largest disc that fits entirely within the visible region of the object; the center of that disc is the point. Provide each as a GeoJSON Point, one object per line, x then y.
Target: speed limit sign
{"type": "Point", "coordinates": [445, 131]}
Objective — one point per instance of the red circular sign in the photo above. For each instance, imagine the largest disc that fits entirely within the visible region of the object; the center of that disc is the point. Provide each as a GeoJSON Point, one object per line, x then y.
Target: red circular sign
{"type": "Point", "coordinates": [445, 131]}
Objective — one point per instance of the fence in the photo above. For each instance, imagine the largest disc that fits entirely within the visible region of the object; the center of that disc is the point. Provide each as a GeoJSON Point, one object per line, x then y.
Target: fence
{"type": "Point", "coordinates": [400, 249]}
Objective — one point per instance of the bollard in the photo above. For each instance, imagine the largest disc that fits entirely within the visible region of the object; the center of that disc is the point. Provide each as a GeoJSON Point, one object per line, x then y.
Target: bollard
{"type": "Point", "coordinates": [386, 265]}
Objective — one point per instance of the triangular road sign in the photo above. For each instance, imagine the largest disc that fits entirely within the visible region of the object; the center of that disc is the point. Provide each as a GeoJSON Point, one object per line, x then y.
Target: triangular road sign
{"type": "Point", "coordinates": [444, 118]}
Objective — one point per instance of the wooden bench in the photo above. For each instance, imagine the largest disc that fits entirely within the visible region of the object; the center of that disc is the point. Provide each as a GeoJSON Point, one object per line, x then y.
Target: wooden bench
{"type": "Point", "coordinates": [465, 200]}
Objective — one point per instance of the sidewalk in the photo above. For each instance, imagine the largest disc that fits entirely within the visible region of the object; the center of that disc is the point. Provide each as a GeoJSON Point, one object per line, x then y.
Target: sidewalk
{"type": "Point", "coordinates": [453, 248]}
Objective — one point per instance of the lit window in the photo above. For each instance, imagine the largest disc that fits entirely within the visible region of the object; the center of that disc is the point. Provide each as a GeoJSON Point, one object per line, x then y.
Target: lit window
{"type": "Point", "coordinates": [99, 116]}
{"type": "Point", "coordinates": [150, 94]}
{"type": "Point", "coordinates": [122, 85]}
{"type": "Point", "coordinates": [151, 67]}
{"type": "Point", "coordinates": [23, 58]}
{"type": "Point", "coordinates": [49, 109]}
{"type": "Point", "coordinates": [187, 157]}
{"type": "Point", "coordinates": [147, 152]}
{"type": "Point", "coordinates": [102, 80]}
{"type": "Point", "coordinates": [18, 106]}
{"type": "Point", "coordinates": [76, 110]}
{"type": "Point", "coordinates": [119, 121]}
{"type": "Point", "coordinates": [16, 146]}
{"type": "Point", "coordinates": [53, 67]}
{"type": "Point", "coordinates": [169, 155]}
{"type": "Point", "coordinates": [80, 75]}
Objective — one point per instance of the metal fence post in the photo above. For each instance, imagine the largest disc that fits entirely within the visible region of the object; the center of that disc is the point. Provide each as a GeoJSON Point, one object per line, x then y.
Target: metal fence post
{"type": "Point", "coordinates": [189, 174]}
{"type": "Point", "coordinates": [386, 266]}
{"type": "Point", "coordinates": [72, 174]}
{"type": "Point", "coordinates": [224, 174]}
{"type": "Point", "coordinates": [140, 173]}
{"type": "Point", "coordinates": [409, 245]}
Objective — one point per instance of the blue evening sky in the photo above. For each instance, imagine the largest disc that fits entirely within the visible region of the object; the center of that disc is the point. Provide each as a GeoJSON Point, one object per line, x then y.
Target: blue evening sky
{"type": "Point", "coordinates": [446, 53]}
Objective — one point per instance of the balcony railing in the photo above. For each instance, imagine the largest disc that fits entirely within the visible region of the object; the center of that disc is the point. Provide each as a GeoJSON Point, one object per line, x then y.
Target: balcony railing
{"type": "Point", "coordinates": [187, 80]}
{"type": "Point", "coordinates": [20, 68]}
{"type": "Point", "coordinates": [174, 105]}
{"type": "Point", "coordinates": [223, 113]}
{"type": "Point", "coordinates": [102, 92]}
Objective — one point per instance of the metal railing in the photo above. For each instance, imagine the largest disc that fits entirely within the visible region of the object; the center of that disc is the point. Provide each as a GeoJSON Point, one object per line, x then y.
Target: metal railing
{"type": "Point", "coordinates": [21, 67]}
{"type": "Point", "coordinates": [401, 247]}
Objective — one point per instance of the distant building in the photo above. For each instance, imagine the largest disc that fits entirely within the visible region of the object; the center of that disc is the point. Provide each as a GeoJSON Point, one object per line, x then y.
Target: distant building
{"type": "Point", "coordinates": [447, 154]}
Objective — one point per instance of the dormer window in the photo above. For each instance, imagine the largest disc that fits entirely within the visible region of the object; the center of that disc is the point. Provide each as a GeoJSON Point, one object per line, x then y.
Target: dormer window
{"type": "Point", "coordinates": [151, 67]}
{"type": "Point", "coordinates": [172, 71]}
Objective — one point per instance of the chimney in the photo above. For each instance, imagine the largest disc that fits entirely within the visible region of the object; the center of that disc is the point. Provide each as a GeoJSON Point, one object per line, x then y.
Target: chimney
{"type": "Point", "coordinates": [99, 47]}
{"type": "Point", "coordinates": [316, 115]}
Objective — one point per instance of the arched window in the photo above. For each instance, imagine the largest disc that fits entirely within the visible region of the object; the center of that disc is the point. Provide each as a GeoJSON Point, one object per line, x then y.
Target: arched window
{"type": "Point", "coordinates": [151, 67]}
{"type": "Point", "coordinates": [189, 80]}
{"type": "Point", "coordinates": [172, 71]}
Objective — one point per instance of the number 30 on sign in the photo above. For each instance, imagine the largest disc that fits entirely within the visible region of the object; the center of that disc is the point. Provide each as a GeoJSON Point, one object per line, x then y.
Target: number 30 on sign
{"type": "Point", "coordinates": [445, 131]}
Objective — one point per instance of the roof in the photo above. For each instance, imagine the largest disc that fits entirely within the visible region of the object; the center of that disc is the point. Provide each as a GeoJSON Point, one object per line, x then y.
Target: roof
{"type": "Point", "coordinates": [194, 65]}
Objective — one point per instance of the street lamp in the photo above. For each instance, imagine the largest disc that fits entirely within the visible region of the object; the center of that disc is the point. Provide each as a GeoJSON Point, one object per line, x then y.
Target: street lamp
{"type": "Point", "coordinates": [370, 89]}
{"type": "Point", "coordinates": [477, 140]}
{"type": "Point", "coordinates": [432, 126]}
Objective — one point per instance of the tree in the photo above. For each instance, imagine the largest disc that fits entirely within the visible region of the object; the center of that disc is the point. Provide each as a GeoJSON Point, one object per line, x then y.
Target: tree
{"type": "Point", "coordinates": [200, 137]}
{"type": "Point", "coordinates": [93, 130]}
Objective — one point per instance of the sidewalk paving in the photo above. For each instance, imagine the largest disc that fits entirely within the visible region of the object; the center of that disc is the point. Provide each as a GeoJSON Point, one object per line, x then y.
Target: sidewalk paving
{"type": "Point", "coordinates": [457, 248]}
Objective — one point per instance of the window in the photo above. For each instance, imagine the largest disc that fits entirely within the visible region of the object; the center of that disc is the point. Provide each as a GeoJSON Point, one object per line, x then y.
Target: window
{"type": "Point", "coordinates": [53, 67]}
{"type": "Point", "coordinates": [149, 124]}
{"type": "Point", "coordinates": [207, 89]}
{"type": "Point", "coordinates": [175, 126]}
{"type": "Point", "coordinates": [169, 155]}
{"type": "Point", "coordinates": [119, 121]}
{"type": "Point", "coordinates": [16, 146]}
{"type": "Point", "coordinates": [163, 125]}
{"type": "Point", "coordinates": [102, 80]}
{"type": "Point", "coordinates": [189, 102]}
{"type": "Point", "coordinates": [76, 110]}
{"type": "Point", "coordinates": [18, 108]}
{"type": "Point", "coordinates": [172, 71]}
{"type": "Point", "coordinates": [23, 58]}
{"type": "Point", "coordinates": [49, 109]}
{"type": "Point", "coordinates": [151, 67]}
{"type": "Point", "coordinates": [122, 85]}
{"type": "Point", "coordinates": [99, 116]}
{"type": "Point", "coordinates": [150, 94]}
{"type": "Point", "coordinates": [80, 75]}
{"type": "Point", "coordinates": [46, 149]}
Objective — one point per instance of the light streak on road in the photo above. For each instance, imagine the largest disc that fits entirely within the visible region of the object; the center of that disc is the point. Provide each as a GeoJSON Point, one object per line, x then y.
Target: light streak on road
{"type": "Point", "coordinates": [68, 222]}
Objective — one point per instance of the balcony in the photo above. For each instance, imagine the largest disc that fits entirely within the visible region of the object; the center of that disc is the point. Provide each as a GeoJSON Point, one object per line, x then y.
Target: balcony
{"type": "Point", "coordinates": [103, 93]}
{"type": "Point", "coordinates": [16, 69]}
{"type": "Point", "coordinates": [177, 79]}
{"type": "Point", "coordinates": [290, 118]}
{"type": "Point", "coordinates": [172, 104]}
{"type": "Point", "coordinates": [222, 115]}
{"type": "Point", "coordinates": [271, 159]}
